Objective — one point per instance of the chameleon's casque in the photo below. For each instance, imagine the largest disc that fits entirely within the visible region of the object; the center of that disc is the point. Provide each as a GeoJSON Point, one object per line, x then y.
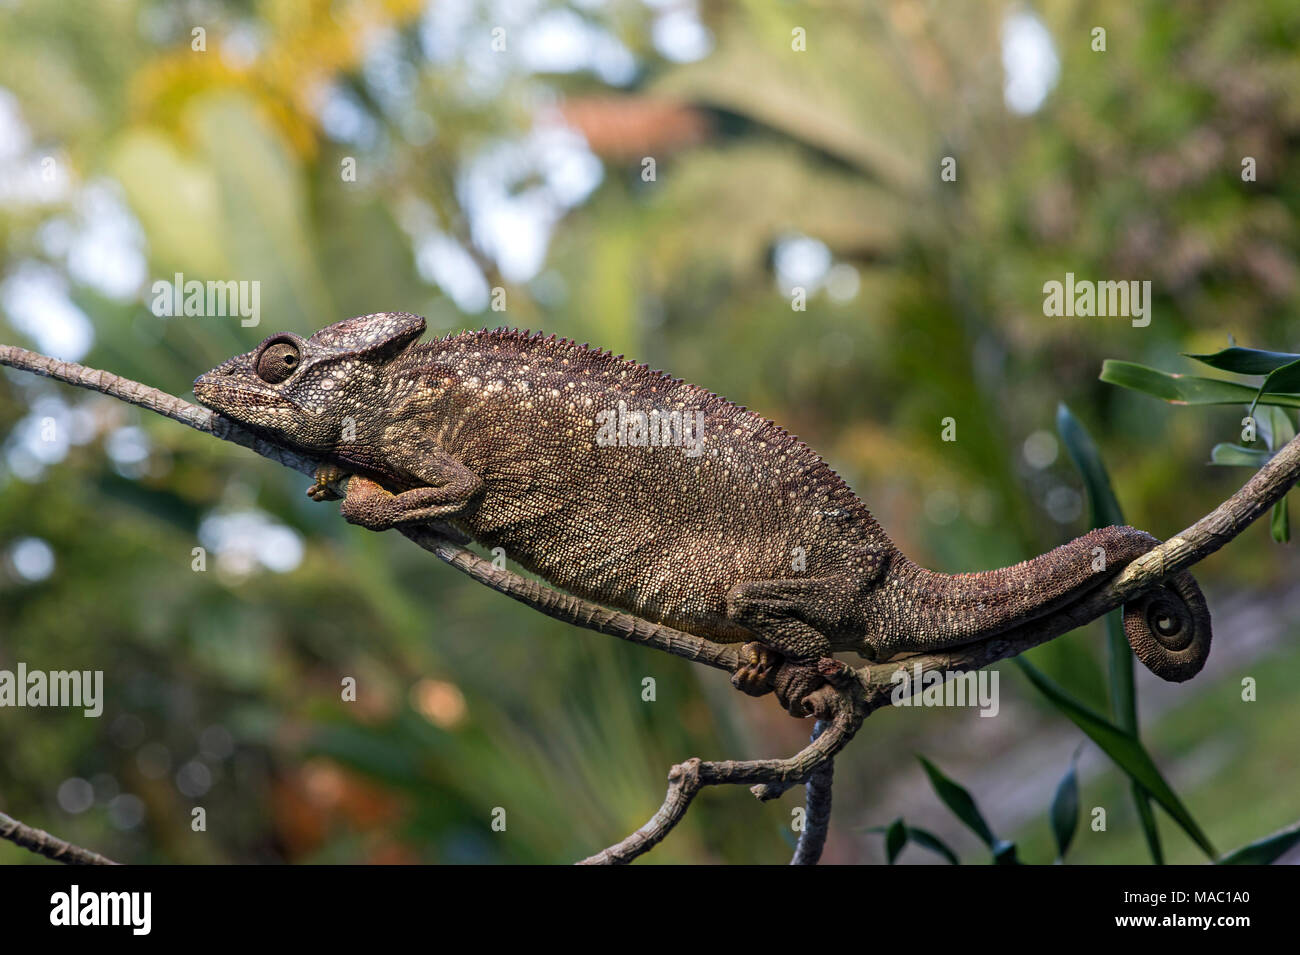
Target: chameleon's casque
{"type": "Point", "coordinates": [628, 487]}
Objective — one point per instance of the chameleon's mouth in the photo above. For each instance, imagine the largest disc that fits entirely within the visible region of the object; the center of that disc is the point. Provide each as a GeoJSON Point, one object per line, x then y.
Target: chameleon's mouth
{"type": "Point", "coordinates": [221, 391]}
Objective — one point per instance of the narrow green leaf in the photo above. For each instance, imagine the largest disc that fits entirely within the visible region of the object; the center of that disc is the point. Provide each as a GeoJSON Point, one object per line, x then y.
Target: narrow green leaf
{"type": "Point", "coordinates": [1147, 817]}
{"type": "Point", "coordinates": [956, 798]}
{"type": "Point", "coordinates": [1246, 361]}
{"type": "Point", "coordinates": [1065, 808]}
{"type": "Point", "coordinates": [1285, 379]}
{"type": "Point", "coordinates": [895, 839]}
{"type": "Point", "coordinates": [1234, 455]}
{"type": "Point", "coordinates": [929, 840]}
{"type": "Point", "coordinates": [1103, 506]}
{"type": "Point", "coordinates": [1105, 510]}
{"type": "Point", "coordinates": [1187, 389]}
{"type": "Point", "coordinates": [1125, 749]}
{"type": "Point", "coordinates": [1280, 523]}
{"type": "Point", "coordinates": [922, 837]}
{"type": "Point", "coordinates": [1282, 380]}
{"type": "Point", "coordinates": [1265, 851]}
{"type": "Point", "coordinates": [1275, 428]}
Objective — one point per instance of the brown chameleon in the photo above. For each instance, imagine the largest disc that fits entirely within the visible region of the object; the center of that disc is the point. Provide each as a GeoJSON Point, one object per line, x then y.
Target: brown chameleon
{"type": "Point", "coordinates": [622, 485]}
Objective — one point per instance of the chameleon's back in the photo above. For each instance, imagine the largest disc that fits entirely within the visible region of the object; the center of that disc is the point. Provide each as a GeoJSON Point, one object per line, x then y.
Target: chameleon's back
{"type": "Point", "coordinates": [660, 515]}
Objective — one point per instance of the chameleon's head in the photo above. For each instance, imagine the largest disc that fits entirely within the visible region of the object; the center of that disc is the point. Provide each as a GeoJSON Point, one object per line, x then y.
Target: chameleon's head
{"type": "Point", "coordinates": [304, 389]}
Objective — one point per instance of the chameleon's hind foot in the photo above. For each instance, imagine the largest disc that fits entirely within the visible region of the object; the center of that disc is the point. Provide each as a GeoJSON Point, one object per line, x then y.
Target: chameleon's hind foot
{"type": "Point", "coordinates": [325, 475]}
{"type": "Point", "coordinates": [756, 672]}
{"type": "Point", "coordinates": [810, 689]}
{"type": "Point", "coordinates": [803, 689]}
{"type": "Point", "coordinates": [794, 684]}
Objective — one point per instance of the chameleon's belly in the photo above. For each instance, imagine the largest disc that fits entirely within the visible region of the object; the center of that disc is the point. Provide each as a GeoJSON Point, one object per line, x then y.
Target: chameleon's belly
{"type": "Point", "coordinates": [653, 555]}
{"type": "Point", "coordinates": [658, 579]}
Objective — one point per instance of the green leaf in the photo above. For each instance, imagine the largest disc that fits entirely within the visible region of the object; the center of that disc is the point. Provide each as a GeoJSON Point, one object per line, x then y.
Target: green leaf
{"type": "Point", "coordinates": [1246, 361]}
{"type": "Point", "coordinates": [929, 840]}
{"type": "Point", "coordinates": [1264, 851]}
{"type": "Point", "coordinates": [956, 798]}
{"type": "Point", "coordinates": [1280, 523]}
{"type": "Point", "coordinates": [1065, 808]}
{"type": "Point", "coordinates": [1125, 749]}
{"type": "Point", "coordinates": [1187, 389]}
{"type": "Point", "coordinates": [922, 837]}
{"type": "Point", "coordinates": [1275, 428]}
{"type": "Point", "coordinates": [1103, 506]}
{"type": "Point", "coordinates": [1234, 455]}
{"type": "Point", "coordinates": [1105, 510]}
{"type": "Point", "coordinates": [1147, 817]}
{"type": "Point", "coordinates": [895, 839]}
{"type": "Point", "coordinates": [1284, 379]}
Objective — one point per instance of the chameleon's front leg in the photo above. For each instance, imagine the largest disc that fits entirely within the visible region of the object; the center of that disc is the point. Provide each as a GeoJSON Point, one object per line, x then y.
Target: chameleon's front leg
{"type": "Point", "coordinates": [369, 505]}
{"type": "Point", "coordinates": [326, 475]}
{"type": "Point", "coordinates": [449, 489]}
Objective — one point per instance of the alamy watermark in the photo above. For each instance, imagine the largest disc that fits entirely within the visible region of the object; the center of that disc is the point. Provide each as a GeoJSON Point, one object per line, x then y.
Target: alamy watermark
{"type": "Point", "coordinates": [79, 688]}
{"type": "Point", "coordinates": [133, 910]}
{"type": "Point", "coordinates": [212, 299]}
{"type": "Point", "coordinates": [946, 688]}
{"type": "Point", "coordinates": [1085, 298]}
{"type": "Point", "coordinates": [619, 427]}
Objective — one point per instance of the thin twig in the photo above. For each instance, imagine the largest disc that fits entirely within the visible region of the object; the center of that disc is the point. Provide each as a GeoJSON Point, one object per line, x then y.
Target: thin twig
{"type": "Point", "coordinates": [817, 809]}
{"type": "Point", "coordinates": [52, 847]}
{"type": "Point", "coordinates": [770, 776]}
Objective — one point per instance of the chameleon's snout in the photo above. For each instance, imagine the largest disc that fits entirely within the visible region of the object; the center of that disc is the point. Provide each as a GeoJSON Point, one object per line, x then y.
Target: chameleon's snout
{"type": "Point", "coordinates": [211, 384]}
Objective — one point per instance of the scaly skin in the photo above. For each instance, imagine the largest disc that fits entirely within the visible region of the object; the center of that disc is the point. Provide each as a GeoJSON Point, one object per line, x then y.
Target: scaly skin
{"type": "Point", "coordinates": [746, 536]}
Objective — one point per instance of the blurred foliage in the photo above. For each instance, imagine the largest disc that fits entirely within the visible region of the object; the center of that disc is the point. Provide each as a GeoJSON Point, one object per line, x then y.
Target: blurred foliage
{"type": "Point", "coordinates": [223, 687]}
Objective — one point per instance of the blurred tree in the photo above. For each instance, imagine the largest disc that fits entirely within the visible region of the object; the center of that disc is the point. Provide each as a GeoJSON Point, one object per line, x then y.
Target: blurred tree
{"type": "Point", "coordinates": [130, 151]}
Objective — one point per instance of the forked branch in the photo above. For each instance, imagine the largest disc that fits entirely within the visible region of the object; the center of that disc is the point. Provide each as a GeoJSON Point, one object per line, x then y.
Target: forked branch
{"type": "Point", "coordinates": [844, 705]}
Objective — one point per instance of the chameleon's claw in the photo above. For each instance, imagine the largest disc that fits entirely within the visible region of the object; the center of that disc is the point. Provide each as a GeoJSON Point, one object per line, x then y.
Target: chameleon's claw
{"type": "Point", "coordinates": [755, 675]}
{"type": "Point", "coordinates": [796, 684]}
{"type": "Point", "coordinates": [325, 475]}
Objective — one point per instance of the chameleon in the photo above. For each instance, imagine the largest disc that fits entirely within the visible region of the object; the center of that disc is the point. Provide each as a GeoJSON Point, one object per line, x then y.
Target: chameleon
{"type": "Point", "coordinates": [625, 486]}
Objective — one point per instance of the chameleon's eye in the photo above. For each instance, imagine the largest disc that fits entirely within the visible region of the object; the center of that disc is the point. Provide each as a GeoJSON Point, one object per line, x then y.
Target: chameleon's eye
{"type": "Point", "coordinates": [277, 362]}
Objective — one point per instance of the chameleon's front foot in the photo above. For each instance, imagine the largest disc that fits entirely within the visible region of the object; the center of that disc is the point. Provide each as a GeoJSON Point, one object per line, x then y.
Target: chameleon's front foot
{"type": "Point", "coordinates": [326, 474]}
{"type": "Point", "coordinates": [369, 505]}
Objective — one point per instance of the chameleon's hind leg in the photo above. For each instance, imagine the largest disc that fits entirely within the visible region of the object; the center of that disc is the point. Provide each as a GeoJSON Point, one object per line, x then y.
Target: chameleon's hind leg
{"type": "Point", "coordinates": [784, 615]}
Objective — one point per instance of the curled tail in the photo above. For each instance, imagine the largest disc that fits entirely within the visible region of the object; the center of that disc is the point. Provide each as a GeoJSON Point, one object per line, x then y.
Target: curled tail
{"type": "Point", "coordinates": [1168, 626]}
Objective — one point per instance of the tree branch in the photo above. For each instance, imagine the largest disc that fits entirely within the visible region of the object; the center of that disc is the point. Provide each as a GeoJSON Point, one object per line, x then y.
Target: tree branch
{"type": "Point", "coordinates": [771, 776]}
{"type": "Point", "coordinates": [42, 843]}
{"type": "Point", "coordinates": [1265, 488]}
{"type": "Point", "coordinates": [817, 809]}
{"type": "Point", "coordinates": [846, 703]}
{"type": "Point", "coordinates": [553, 603]}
